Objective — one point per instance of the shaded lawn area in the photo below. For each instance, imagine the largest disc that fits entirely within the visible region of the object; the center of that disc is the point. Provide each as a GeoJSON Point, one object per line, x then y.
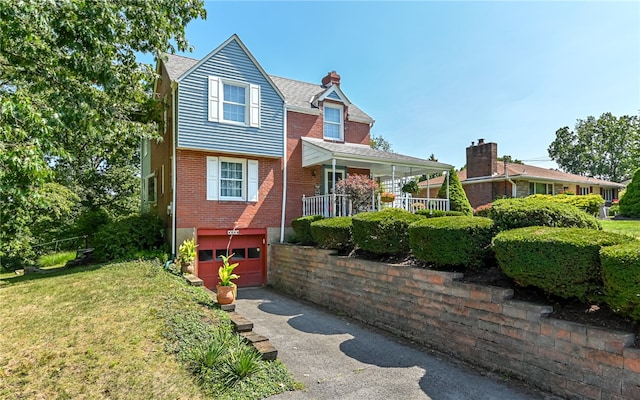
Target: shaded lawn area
{"type": "Point", "coordinates": [99, 332]}
{"type": "Point", "coordinates": [627, 227]}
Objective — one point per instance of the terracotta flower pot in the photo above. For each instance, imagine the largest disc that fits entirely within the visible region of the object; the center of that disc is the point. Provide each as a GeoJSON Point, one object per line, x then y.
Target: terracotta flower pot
{"type": "Point", "coordinates": [225, 294]}
{"type": "Point", "coordinates": [187, 268]}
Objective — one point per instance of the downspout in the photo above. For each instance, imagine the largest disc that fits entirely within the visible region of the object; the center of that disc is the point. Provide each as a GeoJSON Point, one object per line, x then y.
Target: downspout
{"type": "Point", "coordinates": [174, 180]}
{"type": "Point", "coordinates": [284, 175]}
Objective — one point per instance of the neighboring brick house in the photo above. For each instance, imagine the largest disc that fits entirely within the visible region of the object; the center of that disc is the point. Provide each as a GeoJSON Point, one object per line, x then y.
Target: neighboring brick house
{"type": "Point", "coordinates": [484, 179]}
{"type": "Point", "coordinates": [241, 148]}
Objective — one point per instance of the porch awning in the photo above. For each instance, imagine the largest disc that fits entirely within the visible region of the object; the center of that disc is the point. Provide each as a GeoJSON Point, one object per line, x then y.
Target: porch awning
{"type": "Point", "coordinates": [380, 163]}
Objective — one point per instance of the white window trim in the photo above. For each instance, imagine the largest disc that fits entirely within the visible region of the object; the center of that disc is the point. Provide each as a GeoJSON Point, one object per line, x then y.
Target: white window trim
{"type": "Point", "coordinates": [340, 108]}
{"type": "Point", "coordinates": [250, 179]}
{"type": "Point", "coordinates": [155, 188]}
{"type": "Point", "coordinates": [215, 102]}
{"type": "Point", "coordinates": [546, 187]}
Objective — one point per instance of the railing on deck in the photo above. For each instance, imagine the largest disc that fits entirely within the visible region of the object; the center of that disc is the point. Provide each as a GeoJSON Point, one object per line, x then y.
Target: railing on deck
{"type": "Point", "coordinates": [341, 206]}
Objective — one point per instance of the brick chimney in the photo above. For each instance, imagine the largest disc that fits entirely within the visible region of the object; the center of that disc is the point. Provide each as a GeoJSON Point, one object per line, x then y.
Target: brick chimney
{"type": "Point", "coordinates": [332, 78]}
{"type": "Point", "coordinates": [482, 159]}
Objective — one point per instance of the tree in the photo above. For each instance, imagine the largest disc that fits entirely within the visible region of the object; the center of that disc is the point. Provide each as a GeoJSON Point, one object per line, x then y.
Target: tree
{"type": "Point", "coordinates": [380, 143]}
{"type": "Point", "coordinates": [630, 202]}
{"type": "Point", "coordinates": [70, 88]}
{"type": "Point", "coordinates": [457, 197]}
{"type": "Point", "coordinates": [605, 148]}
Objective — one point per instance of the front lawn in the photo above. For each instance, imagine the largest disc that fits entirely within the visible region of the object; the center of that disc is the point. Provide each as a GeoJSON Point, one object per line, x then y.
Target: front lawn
{"type": "Point", "coordinates": [122, 330]}
{"type": "Point", "coordinates": [627, 227]}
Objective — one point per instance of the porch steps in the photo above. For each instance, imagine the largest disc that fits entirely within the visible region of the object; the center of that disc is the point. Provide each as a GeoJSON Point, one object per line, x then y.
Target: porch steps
{"type": "Point", "coordinates": [244, 327]}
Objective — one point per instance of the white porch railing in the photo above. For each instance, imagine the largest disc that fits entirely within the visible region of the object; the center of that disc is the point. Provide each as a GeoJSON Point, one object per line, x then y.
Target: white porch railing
{"type": "Point", "coordinates": [324, 205]}
{"type": "Point", "coordinates": [327, 205]}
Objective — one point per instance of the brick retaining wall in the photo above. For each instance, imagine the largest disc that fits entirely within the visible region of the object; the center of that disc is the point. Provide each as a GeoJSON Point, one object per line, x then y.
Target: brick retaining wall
{"type": "Point", "coordinates": [479, 324]}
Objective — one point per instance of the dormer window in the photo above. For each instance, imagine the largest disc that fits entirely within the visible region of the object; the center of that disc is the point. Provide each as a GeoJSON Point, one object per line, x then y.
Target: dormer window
{"type": "Point", "coordinates": [333, 122]}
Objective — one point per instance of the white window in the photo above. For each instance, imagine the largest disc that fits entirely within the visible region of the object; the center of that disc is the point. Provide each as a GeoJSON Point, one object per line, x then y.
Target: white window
{"type": "Point", "coordinates": [584, 190]}
{"type": "Point", "coordinates": [540, 188]}
{"type": "Point", "coordinates": [233, 102]}
{"type": "Point", "coordinates": [234, 179]}
{"type": "Point", "coordinates": [150, 186]}
{"type": "Point", "coordinates": [607, 194]}
{"type": "Point", "coordinates": [333, 122]}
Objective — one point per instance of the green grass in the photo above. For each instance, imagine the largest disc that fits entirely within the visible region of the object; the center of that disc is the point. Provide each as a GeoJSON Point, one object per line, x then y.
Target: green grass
{"type": "Point", "coordinates": [56, 259]}
{"type": "Point", "coordinates": [627, 227]}
{"type": "Point", "coordinates": [122, 331]}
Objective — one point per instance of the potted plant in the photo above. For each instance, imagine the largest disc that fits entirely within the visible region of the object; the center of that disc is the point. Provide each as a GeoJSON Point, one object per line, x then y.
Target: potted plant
{"type": "Point", "coordinates": [187, 256]}
{"type": "Point", "coordinates": [387, 197]}
{"type": "Point", "coordinates": [226, 290]}
{"type": "Point", "coordinates": [411, 187]}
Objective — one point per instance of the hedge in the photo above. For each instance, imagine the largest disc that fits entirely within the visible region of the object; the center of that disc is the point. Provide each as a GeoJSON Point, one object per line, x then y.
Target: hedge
{"type": "Point", "coordinates": [451, 241]}
{"type": "Point", "coordinates": [621, 277]}
{"type": "Point", "coordinates": [302, 228]}
{"type": "Point", "coordinates": [129, 237]}
{"type": "Point", "coordinates": [333, 233]}
{"type": "Point", "coordinates": [440, 213]}
{"type": "Point", "coordinates": [383, 232]}
{"type": "Point", "coordinates": [561, 261]}
{"type": "Point", "coordinates": [589, 203]}
{"type": "Point", "coordinates": [518, 213]}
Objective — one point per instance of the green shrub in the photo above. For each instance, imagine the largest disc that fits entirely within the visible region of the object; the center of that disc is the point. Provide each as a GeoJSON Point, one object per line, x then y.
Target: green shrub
{"type": "Point", "coordinates": [561, 261]}
{"type": "Point", "coordinates": [621, 277]}
{"type": "Point", "coordinates": [630, 202]}
{"type": "Point", "coordinates": [440, 213]}
{"type": "Point", "coordinates": [128, 237]}
{"type": "Point", "coordinates": [589, 203]}
{"type": "Point", "coordinates": [383, 232]}
{"type": "Point", "coordinates": [458, 200]}
{"type": "Point", "coordinates": [302, 228]}
{"type": "Point", "coordinates": [333, 233]}
{"type": "Point", "coordinates": [518, 213]}
{"type": "Point", "coordinates": [452, 241]}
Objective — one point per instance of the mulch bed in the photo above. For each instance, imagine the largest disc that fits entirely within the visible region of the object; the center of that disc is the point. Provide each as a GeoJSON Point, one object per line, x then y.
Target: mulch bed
{"type": "Point", "coordinates": [599, 315]}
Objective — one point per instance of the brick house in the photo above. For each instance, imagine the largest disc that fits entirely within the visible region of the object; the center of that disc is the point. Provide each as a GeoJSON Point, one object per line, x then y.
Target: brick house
{"type": "Point", "coordinates": [243, 153]}
{"type": "Point", "coordinates": [486, 179]}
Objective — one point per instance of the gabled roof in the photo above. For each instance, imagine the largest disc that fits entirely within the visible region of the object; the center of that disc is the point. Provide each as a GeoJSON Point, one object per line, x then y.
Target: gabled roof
{"type": "Point", "coordinates": [333, 89]}
{"type": "Point", "coordinates": [320, 152]}
{"type": "Point", "coordinates": [298, 95]}
{"type": "Point", "coordinates": [529, 172]}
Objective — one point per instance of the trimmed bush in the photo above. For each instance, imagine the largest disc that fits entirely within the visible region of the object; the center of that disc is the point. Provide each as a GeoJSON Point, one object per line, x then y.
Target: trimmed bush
{"type": "Point", "coordinates": [589, 203]}
{"type": "Point", "coordinates": [561, 261]}
{"type": "Point", "coordinates": [630, 202]}
{"type": "Point", "coordinates": [458, 200]}
{"type": "Point", "coordinates": [452, 241]}
{"type": "Point", "coordinates": [383, 232]}
{"type": "Point", "coordinates": [302, 228]}
{"type": "Point", "coordinates": [621, 277]}
{"type": "Point", "coordinates": [129, 237]}
{"type": "Point", "coordinates": [333, 233]}
{"type": "Point", "coordinates": [440, 213]}
{"type": "Point", "coordinates": [518, 213]}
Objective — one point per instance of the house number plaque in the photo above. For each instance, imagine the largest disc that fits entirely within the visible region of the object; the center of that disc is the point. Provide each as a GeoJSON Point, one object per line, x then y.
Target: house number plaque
{"type": "Point", "coordinates": [232, 232]}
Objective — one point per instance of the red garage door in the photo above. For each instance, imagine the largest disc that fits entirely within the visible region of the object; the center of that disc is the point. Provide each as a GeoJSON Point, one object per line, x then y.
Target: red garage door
{"type": "Point", "coordinates": [248, 248]}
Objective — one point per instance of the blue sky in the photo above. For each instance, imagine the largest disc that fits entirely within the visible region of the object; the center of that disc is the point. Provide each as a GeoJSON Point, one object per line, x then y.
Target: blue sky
{"type": "Point", "coordinates": [438, 75]}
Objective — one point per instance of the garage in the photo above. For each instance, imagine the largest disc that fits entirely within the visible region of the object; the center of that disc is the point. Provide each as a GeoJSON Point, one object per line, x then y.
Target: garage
{"type": "Point", "coordinates": [248, 247]}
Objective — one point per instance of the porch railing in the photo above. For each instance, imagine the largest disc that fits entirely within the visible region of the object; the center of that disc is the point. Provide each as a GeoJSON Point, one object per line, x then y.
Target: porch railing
{"type": "Point", "coordinates": [341, 206]}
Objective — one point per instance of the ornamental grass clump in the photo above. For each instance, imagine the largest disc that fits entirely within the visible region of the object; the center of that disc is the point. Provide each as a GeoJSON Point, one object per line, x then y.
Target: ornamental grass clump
{"type": "Point", "coordinates": [564, 262]}
{"type": "Point", "coordinates": [452, 241]}
{"type": "Point", "coordinates": [383, 232]}
{"type": "Point", "coordinates": [621, 277]}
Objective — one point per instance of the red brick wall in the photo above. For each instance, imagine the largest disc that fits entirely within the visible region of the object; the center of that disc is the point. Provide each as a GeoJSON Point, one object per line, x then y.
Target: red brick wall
{"type": "Point", "coordinates": [482, 159]}
{"type": "Point", "coordinates": [479, 324]}
{"type": "Point", "coordinates": [195, 211]}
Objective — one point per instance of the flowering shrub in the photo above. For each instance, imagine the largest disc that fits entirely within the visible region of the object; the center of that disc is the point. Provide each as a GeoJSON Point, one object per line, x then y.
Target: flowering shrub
{"type": "Point", "coordinates": [360, 190]}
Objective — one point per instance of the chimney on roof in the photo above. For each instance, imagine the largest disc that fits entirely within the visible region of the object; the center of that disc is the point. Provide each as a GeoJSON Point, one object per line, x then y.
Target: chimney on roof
{"type": "Point", "coordinates": [332, 78]}
{"type": "Point", "coordinates": [482, 160]}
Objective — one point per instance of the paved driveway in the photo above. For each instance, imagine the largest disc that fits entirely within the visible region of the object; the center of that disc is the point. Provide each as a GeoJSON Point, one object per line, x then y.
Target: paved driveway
{"type": "Point", "coordinates": [338, 358]}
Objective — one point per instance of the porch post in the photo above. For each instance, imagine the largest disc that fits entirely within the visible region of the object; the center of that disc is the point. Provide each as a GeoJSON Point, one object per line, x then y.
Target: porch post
{"type": "Point", "coordinates": [448, 201]}
{"type": "Point", "coordinates": [393, 179]}
{"type": "Point", "coordinates": [333, 190]}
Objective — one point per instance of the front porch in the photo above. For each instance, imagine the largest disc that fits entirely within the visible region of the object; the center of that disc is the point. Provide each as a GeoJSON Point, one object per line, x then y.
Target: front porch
{"type": "Point", "coordinates": [339, 205]}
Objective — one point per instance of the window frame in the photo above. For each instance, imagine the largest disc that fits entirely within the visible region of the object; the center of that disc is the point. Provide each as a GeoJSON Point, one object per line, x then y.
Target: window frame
{"type": "Point", "coordinates": [235, 84]}
{"type": "Point", "coordinates": [216, 102]}
{"type": "Point", "coordinates": [151, 178]}
{"type": "Point", "coordinates": [250, 179]}
{"type": "Point", "coordinates": [243, 181]}
{"type": "Point", "coordinates": [340, 109]}
{"type": "Point", "coordinates": [547, 187]}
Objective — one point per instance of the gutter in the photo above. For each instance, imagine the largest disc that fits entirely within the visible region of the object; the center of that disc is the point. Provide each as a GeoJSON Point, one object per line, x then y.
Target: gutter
{"type": "Point", "coordinates": [174, 180]}
{"type": "Point", "coordinates": [284, 174]}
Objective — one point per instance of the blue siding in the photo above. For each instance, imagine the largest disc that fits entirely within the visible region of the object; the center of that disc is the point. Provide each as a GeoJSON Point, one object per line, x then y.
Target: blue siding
{"type": "Point", "coordinates": [195, 131]}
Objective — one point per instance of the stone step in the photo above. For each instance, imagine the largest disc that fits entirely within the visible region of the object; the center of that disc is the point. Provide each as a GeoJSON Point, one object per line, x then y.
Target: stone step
{"type": "Point", "coordinates": [252, 337]}
{"type": "Point", "coordinates": [266, 350]}
{"type": "Point", "coordinates": [240, 323]}
{"type": "Point", "coordinates": [193, 280]}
